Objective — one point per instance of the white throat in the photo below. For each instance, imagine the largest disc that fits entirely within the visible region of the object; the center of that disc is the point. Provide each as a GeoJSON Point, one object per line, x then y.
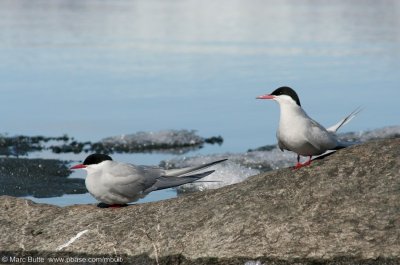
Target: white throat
{"type": "Point", "coordinates": [290, 111]}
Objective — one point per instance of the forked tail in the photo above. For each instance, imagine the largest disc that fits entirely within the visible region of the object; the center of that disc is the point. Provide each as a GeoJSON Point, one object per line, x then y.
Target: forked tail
{"type": "Point", "coordinates": [343, 121]}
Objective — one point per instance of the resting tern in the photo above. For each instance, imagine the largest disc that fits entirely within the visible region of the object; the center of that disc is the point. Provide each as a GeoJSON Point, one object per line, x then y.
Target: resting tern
{"type": "Point", "coordinates": [116, 184]}
{"type": "Point", "coordinates": [299, 133]}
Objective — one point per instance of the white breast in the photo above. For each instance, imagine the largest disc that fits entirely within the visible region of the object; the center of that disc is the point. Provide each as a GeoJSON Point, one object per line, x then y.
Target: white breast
{"type": "Point", "coordinates": [110, 183]}
{"type": "Point", "coordinates": [297, 132]}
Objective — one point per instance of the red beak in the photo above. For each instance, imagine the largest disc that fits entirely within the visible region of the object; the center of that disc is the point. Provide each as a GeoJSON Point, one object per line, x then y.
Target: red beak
{"type": "Point", "coordinates": [78, 166]}
{"type": "Point", "coordinates": [267, 96]}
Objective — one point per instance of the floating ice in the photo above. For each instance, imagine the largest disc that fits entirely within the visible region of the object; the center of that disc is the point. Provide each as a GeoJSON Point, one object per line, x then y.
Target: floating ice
{"type": "Point", "coordinates": [238, 168]}
{"type": "Point", "coordinates": [166, 137]}
{"type": "Point", "coordinates": [226, 173]}
{"type": "Point", "coordinates": [257, 160]}
{"type": "Point", "coordinates": [179, 140]}
{"type": "Point", "coordinates": [363, 136]}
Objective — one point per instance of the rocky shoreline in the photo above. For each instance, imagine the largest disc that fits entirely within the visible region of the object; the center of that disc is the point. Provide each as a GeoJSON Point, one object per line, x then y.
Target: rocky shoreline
{"type": "Point", "coordinates": [343, 209]}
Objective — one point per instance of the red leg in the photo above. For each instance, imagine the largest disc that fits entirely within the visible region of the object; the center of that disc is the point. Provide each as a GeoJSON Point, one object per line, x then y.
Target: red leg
{"type": "Point", "coordinates": [308, 162]}
{"type": "Point", "coordinates": [299, 165]}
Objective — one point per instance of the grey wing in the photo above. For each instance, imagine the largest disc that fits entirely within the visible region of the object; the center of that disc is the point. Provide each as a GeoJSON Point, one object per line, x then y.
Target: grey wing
{"type": "Point", "coordinates": [155, 178]}
{"type": "Point", "coordinates": [166, 182]}
{"type": "Point", "coordinates": [129, 179]}
{"type": "Point", "coordinates": [176, 177]}
{"type": "Point", "coordinates": [182, 171]}
{"type": "Point", "coordinates": [126, 173]}
{"type": "Point", "coordinates": [319, 137]}
{"type": "Point", "coordinates": [150, 175]}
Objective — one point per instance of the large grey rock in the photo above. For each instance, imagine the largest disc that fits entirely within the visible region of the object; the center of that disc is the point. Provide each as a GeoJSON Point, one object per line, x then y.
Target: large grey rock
{"type": "Point", "coordinates": [344, 209]}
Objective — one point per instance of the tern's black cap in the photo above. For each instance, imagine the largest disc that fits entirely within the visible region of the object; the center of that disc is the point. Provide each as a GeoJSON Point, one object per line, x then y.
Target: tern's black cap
{"type": "Point", "coordinates": [285, 90]}
{"type": "Point", "coordinates": [96, 159]}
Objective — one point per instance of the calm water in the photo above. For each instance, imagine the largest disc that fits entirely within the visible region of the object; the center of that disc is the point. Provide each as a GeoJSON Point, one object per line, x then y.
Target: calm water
{"type": "Point", "coordinates": [95, 68]}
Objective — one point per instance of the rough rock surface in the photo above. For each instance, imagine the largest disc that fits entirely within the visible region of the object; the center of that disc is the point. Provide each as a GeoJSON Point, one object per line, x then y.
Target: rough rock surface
{"type": "Point", "coordinates": [344, 209]}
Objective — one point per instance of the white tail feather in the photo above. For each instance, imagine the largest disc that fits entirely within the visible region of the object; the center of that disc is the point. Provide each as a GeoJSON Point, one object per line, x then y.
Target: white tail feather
{"type": "Point", "coordinates": [344, 121]}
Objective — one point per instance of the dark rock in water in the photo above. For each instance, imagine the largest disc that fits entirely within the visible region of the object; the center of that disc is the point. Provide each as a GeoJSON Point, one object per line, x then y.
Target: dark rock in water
{"type": "Point", "coordinates": [37, 177]}
{"type": "Point", "coordinates": [214, 140]}
{"type": "Point", "coordinates": [263, 148]}
{"type": "Point", "coordinates": [344, 209]}
{"type": "Point", "coordinates": [22, 145]}
{"type": "Point", "coordinates": [72, 147]}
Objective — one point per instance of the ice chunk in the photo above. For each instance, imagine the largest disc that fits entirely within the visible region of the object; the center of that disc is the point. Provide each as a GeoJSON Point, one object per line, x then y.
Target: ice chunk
{"type": "Point", "coordinates": [226, 173]}
{"type": "Point", "coordinates": [258, 160]}
{"type": "Point", "coordinates": [363, 136]}
{"type": "Point", "coordinates": [166, 139]}
{"type": "Point", "coordinates": [239, 167]}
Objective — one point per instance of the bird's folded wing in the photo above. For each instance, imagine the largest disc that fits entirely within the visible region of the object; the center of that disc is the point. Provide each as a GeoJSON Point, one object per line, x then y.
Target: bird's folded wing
{"type": "Point", "coordinates": [181, 171]}
{"type": "Point", "coordinates": [166, 182]}
{"type": "Point", "coordinates": [319, 137]}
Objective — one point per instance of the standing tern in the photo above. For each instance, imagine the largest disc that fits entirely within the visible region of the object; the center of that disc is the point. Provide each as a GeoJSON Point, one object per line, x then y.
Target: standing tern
{"type": "Point", "coordinates": [299, 133]}
{"type": "Point", "coordinates": [116, 184]}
